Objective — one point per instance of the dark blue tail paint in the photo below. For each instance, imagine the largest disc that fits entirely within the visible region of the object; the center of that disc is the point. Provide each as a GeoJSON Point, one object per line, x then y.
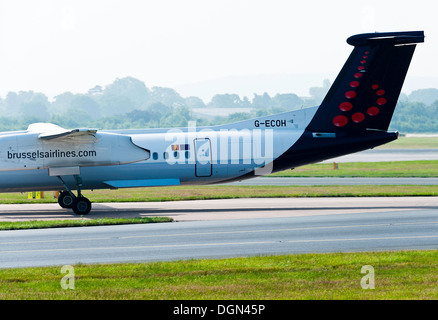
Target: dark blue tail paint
{"type": "Point", "coordinates": [365, 93]}
{"type": "Point", "coordinates": [359, 106]}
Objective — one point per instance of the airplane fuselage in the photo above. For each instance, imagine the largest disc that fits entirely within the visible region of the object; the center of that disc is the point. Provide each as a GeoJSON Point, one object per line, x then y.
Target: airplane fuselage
{"type": "Point", "coordinates": [177, 156]}
{"type": "Point", "coordinates": [354, 116]}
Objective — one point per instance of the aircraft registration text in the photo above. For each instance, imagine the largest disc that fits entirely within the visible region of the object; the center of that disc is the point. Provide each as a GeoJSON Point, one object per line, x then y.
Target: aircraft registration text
{"type": "Point", "coordinates": [270, 123]}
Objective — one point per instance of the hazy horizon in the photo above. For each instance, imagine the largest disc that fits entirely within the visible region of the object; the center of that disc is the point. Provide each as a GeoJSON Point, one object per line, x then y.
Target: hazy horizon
{"type": "Point", "coordinates": [53, 46]}
{"type": "Point", "coordinates": [248, 85]}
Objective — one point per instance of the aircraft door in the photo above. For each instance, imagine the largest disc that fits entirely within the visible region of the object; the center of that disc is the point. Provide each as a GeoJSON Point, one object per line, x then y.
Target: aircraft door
{"type": "Point", "coordinates": [203, 166]}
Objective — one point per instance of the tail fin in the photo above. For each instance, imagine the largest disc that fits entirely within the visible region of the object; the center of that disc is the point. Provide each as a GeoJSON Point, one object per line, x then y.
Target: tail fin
{"type": "Point", "coordinates": [365, 93]}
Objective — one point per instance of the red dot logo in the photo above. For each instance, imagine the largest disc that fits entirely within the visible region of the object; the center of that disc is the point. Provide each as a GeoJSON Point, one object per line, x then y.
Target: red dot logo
{"type": "Point", "coordinates": [373, 111]}
{"type": "Point", "coordinates": [354, 84]}
{"type": "Point", "coordinates": [350, 94]}
{"type": "Point", "coordinates": [381, 101]}
{"type": "Point", "coordinates": [358, 75]}
{"type": "Point", "coordinates": [375, 86]}
{"type": "Point", "coordinates": [340, 121]}
{"type": "Point", "coordinates": [380, 92]}
{"type": "Point", "coordinates": [345, 106]}
{"type": "Point", "coordinates": [358, 117]}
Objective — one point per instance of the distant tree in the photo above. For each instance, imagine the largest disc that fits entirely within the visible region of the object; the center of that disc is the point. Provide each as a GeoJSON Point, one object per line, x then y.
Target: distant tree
{"type": "Point", "coordinates": [167, 96]}
{"type": "Point", "coordinates": [111, 105]}
{"type": "Point", "coordinates": [158, 112]}
{"type": "Point", "coordinates": [288, 101]}
{"type": "Point", "coordinates": [260, 112]}
{"type": "Point", "coordinates": [238, 116]}
{"type": "Point", "coordinates": [35, 110]}
{"type": "Point", "coordinates": [226, 100]}
{"type": "Point", "coordinates": [61, 103]}
{"type": "Point", "coordinates": [246, 103]}
{"type": "Point", "coordinates": [262, 101]}
{"type": "Point", "coordinates": [414, 117]}
{"type": "Point", "coordinates": [179, 117]}
{"type": "Point", "coordinates": [143, 115]}
{"type": "Point", "coordinates": [9, 124]}
{"type": "Point", "coordinates": [11, 104]}
{"type": "Point", "coordinates": [87, 104]}
{"type": "Point", "coordinates": [128, 103]}
{"type": "Point", "coordinates": [426, 96]}
{"type": "Point", "coordinates": [97, 90]}
{"type": "Point", "coordinates": [194, 102]}
{"type": "Point", "coordinates": [27, 104]}
{"type": "Point", "coordinates": [123, 90]}
{"type": "Point", "coordinates": [72, 119]}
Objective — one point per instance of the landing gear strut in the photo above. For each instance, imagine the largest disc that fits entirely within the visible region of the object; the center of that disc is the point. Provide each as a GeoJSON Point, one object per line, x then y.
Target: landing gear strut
{"type": "Point", "coordinates": [79, 203]}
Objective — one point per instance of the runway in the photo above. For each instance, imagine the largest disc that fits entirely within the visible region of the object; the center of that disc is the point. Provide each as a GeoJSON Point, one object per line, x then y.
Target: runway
{"type": "Point", "coordinates": [227, 228]}
{"type": "Point", "coordinates": [272, 181]}
{"type": "Point", "coordinates": [222, 209]}
{"type": "Point", "coordinates": [382, 154]}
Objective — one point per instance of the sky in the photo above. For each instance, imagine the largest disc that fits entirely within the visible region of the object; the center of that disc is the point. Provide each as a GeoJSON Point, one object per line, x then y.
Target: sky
{"type": "Point", "coordinates": [53, 46]}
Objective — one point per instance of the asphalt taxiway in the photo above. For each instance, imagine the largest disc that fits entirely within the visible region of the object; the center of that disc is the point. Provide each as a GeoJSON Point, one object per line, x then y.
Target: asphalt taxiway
{"type": "Point", "coordinates": [325, 181]}
{"type": "Point", "coordinates": [228, 228]}
{"type": "Point", "coordinates": [382, 154]}
{"type": "Point", "coordinates": [222, 209]}
{"type": "Point", "coordinates": [234, 227]}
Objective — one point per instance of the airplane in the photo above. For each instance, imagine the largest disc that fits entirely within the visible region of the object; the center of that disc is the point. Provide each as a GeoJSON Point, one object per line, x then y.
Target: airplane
{"type": "Point", "coordinates": [354, 116]}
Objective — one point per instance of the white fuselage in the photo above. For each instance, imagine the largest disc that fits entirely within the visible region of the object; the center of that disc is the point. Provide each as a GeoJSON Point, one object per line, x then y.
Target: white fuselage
{"type": "Point", "coordinates": [150, 157]}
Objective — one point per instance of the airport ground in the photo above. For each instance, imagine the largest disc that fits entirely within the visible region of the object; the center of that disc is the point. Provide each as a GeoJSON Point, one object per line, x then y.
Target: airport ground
{"type": "Point", "coordinates": [407, 271]}
{"type": "Point", "coordinates": [351, 179]}
{"type": "Point", "coordinates": [232, 227]}
{"type": "Point", "coordinates": [399, 275]}
{"type": "Point", "coordinates": [291, 249]}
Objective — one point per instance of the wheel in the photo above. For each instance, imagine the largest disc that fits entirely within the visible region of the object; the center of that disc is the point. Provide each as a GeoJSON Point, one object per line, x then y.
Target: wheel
{"type": "Point", "coordinates": [81, 206]}
{"type": "Point", "coordinates": [65, 200]}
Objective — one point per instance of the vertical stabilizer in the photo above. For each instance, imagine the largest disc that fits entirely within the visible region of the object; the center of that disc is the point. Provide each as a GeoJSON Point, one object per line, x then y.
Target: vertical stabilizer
{"type": "Point", "coordinates": [365, 93]}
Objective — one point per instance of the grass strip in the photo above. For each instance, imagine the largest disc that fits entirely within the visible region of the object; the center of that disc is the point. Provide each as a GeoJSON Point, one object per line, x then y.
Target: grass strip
{"type": "Point", "coordinates": [234, 192]}
{"type": "Point", "coordinates": [397, 275]}
{"type": "Point", "coordinates": [427, 169]}
{"type": "Point", "coordinates": [390, 169]}
{"type": "Point", "coordinates": [155, 194]}
{"type": "Point", "coordinates": [39, 224]}
{"type": "Point", "coordinates": [412, 143]}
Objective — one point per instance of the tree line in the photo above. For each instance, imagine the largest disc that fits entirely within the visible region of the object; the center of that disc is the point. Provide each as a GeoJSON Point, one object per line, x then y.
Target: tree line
{"type": "Point", "coordinates": [129, 103]}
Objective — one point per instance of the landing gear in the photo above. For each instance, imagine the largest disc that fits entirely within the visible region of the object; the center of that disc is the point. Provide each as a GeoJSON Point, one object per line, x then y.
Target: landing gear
{"type": "Point", "coordinates": [79, 203]}
{"type": "Point", "coordinates": [65, 199]}
{"type": "Point", "coordinates": [81, 206]}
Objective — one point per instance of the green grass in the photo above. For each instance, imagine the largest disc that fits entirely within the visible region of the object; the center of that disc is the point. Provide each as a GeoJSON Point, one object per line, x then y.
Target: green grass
{"type": "Point", "coordinates": [390, 169]}
{"type": "Point", "coordinates": [234, 192]}
{"type": "Point", "coordinates": [39, 224]}
{"type": "Point", "coordinates": [156, 194]}
{"type": "Point", "coordinates": [398, 275]}
{"type": "Point", "coordinates": [356, 169]}
{"type": "Point", "coordinates": [412, 143]}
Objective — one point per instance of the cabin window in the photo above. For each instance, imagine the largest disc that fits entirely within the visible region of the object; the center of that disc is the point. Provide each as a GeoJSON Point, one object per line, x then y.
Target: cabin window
{"type": "Point", "coordinates": [176, 154]}
{"type": "Point", "coordinates": [155, 156]}
{"type": "Point", "coordinates": [187, 153]}
{"type": "Point", "coordinates": [165, 155]}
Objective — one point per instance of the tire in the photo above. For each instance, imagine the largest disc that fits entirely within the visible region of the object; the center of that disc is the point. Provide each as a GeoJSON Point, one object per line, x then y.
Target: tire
{"type": "Point", "coordinates": [81, 206]}
{"type": "Point", "coordinates": [65, 200]}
